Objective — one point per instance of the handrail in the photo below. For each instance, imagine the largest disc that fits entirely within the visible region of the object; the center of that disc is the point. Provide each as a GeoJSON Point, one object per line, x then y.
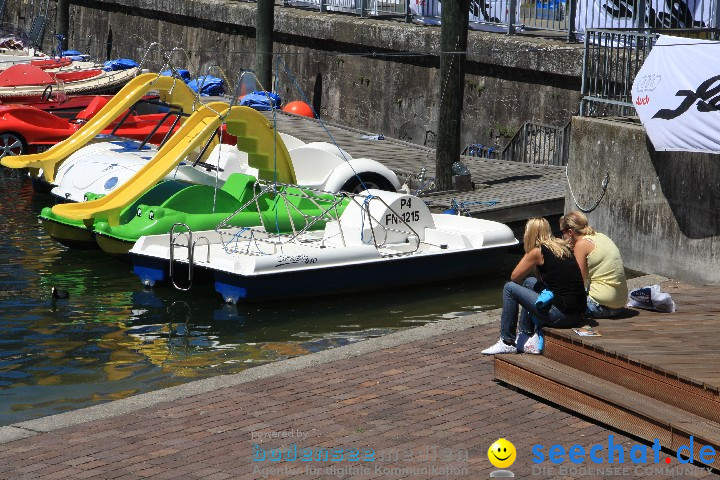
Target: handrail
{"type": "Point", "coordinates": [190, 247]}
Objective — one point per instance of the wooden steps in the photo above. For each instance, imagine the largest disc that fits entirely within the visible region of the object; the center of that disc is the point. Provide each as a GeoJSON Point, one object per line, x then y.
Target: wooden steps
{"type": "Point", "coordinates": [692, 395]}
{"type": "Point", "coordinates": [611, 404]}
{"type": "Point", "coordinates": [649, 393]}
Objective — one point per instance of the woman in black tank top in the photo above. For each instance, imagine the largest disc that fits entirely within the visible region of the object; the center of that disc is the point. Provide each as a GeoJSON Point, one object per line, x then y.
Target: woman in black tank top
{"type": "Point", "coordinates": [556, 270]}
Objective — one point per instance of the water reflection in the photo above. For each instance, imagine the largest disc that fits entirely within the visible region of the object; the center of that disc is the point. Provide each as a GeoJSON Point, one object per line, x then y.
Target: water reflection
{"type": "Point", "coordinates": [112, 338]}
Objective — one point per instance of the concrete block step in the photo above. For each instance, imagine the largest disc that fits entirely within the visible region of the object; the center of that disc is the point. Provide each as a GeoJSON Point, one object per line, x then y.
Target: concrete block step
{"type": "Point", "coordinates": [608, 403]}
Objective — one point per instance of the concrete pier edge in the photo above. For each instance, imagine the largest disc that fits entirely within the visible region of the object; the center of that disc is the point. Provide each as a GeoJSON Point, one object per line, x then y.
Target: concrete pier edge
{"type": "Point", "coordinates": [115, 408]}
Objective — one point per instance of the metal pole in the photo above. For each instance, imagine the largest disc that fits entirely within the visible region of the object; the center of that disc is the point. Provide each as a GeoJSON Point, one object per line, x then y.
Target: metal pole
{"type": "Point", "coordinates": [512, 10]}
{"type": "Point", "coordinates": [453, 45]}
{"type": "Point", "coordinates": [363, 8]}
{"type": "Point", "coordinates": [640, 15]}
{"type": "Point", "coordinates": [583, 85]}
{"type": "Point", "coordinates": [264, 42]}
{"type": "Point", "coordinates": [572, 13]}
{"type": "Point", "coordinates": [62, 23]}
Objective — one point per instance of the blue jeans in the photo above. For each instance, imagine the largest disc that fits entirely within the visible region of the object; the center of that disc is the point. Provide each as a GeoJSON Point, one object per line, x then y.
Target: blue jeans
{"type": "Point", "coordinates": [595, 310]}
{"type": "Point", "coordinates": [525, 295]}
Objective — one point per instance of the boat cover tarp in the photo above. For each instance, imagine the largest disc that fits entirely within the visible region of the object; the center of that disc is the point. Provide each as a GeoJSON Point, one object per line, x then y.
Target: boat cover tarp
{"type": "Point", "coordinates": [119, 64]}
{"type": "Point", "coordinates": [260, 100]}
{"type": "Point", "coordinates": [184, 74]}
{"type": "Point", "coordinates": [208, 85]}
{"type": "Point", "coordinates": [75, 55]}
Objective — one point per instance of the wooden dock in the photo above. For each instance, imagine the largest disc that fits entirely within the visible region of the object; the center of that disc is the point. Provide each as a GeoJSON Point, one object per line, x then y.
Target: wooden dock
{"type": "Point", "coordinates": [652, 375]}
{"type": "Point", "coordinates": [505, 191]}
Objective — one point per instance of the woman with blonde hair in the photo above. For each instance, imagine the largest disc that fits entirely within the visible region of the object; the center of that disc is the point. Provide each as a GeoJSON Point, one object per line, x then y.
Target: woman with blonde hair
{"type": "Point", "coordinates": [600, 263]}
{"type": "Point", "coordinates": [557, 271]}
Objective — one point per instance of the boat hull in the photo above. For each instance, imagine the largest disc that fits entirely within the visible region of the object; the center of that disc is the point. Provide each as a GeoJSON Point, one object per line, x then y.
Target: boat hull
{"type": "Point", "coordinates": [113, 246]}
{"type": "Point", "coordinates": [387, 273]}
{"type": "Point", "coordinates": [154, 271]}
{"type": "Point", "coordinates": [73, 236]}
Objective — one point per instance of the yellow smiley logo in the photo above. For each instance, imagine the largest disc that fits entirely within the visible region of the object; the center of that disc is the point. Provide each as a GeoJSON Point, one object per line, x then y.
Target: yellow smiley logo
{"type": "Point", "coordinates": [502, 453]}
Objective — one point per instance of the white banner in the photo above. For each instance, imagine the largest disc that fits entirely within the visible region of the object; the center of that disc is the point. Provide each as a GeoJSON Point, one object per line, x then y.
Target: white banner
{"type": "Point", "coordinates": [658, 14]}
{"type": "Point", "coordinates": [677, 95]}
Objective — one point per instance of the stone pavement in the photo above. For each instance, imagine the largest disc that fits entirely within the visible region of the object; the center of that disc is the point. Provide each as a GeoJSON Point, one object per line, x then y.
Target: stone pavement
{"type": "Point", "coordinates": [418, 407]}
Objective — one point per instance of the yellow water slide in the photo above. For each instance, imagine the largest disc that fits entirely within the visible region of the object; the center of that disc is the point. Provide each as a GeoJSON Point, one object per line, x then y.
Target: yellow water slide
{"type": "Point", "coordinates": [172, 91]}
{"type": "Point", "coordinates": [266, 152]}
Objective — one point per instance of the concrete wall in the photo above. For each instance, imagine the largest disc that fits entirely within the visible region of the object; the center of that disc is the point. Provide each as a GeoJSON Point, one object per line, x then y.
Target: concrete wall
{"type": "Point", "coordinates": [662, 209]}
{"type": "Point", "coordinates": [509, 80]}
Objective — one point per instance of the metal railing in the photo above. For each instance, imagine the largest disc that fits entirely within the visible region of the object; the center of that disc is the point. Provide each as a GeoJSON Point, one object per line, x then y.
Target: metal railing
{"type": "Point", "coordinates": [533, 143]}
{"type": "Point", "coordinates": [611, 61]}
{"type": "Point", "coordinates": [362, 8]}
{"type": "Point", "coordinates": [572, 16]}
{"type": "Point", "coordinates": [547, 15]}
{"type": "Point", "coordinates": [539, 144]}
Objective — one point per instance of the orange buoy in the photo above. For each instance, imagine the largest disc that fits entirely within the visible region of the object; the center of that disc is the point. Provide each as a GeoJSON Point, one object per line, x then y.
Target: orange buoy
{"type": "Point", "coordinates": [299, 108]}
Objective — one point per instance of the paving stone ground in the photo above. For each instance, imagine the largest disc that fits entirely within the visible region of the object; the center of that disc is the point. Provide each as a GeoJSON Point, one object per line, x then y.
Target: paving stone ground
{"type": "Point", "coordinates": [425, 409]}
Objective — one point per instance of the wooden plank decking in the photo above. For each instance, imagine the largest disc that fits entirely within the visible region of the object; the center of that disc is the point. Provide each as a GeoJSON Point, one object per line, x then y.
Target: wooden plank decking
{"type": "Point", "coordinates": [683, 344]}
{"type": "Point", "coordinates": [653, 375]}
{"type": "Point", "coordinates": [506, 191]}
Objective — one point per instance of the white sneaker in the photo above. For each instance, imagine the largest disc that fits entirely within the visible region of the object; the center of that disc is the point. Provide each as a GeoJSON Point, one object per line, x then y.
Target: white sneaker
{"type": "Point", "coordinates": [532, 345]}
{"type": "Point", "coordinates": [521, 340]}
{"type": "Point", "coordinates": [499, 347]}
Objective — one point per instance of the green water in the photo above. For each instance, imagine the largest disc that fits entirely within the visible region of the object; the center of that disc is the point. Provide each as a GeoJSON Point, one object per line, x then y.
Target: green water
{"type": "Point", "coordinates": [112, 338]}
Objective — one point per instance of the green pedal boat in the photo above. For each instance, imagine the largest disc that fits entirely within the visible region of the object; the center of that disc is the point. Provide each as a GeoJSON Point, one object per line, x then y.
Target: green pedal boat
{"type": "Point", "coordinates": [153, 199]}
{"type": "Point", "coordinates": [200, 207]}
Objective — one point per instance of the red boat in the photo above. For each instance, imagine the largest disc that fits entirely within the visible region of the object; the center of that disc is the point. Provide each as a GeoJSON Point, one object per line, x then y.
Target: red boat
{"type": "Point", "coordinates": [26, 129]}
{"type": "Point", "coordinates": [29, 83]}
{"type": "Point", "coordinates": [62, 105]}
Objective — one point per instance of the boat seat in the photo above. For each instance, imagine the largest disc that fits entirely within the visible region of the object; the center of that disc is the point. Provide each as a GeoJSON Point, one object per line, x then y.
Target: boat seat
{"type": "Point", "coordinates": [154, 196]}
{"type": "Point", "coordinates": [314, 162]}
{"type": "Point", "coordinates": [95, 105]}
{"type": "Point", "coordinates": [290, 141]}
{"type": "Point", "coordinates": [398, 218]}
{"type": "Point", "coordinates": [240, 186]}
{"type": "Point", "coordinates": [202, 199]}
{"type": "Point", "coordinates": [33, 116]}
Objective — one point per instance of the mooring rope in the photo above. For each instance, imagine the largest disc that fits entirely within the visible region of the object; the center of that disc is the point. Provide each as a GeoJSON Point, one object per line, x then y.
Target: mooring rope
{"type": "Point", "coordinates": [603, 185]}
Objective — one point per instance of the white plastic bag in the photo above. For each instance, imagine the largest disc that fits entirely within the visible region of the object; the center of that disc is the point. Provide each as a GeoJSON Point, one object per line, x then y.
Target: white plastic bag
{"type": "Point", "coordinates": [651, 298]}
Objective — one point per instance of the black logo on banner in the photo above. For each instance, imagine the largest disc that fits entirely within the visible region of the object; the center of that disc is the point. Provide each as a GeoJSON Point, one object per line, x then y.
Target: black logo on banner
{"type": "Point", "coordinates": [479, 8]}
{"type": "Point", "coordinates": [707, 98]}
{"type": "Point", "coordinates": [679, 16]}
